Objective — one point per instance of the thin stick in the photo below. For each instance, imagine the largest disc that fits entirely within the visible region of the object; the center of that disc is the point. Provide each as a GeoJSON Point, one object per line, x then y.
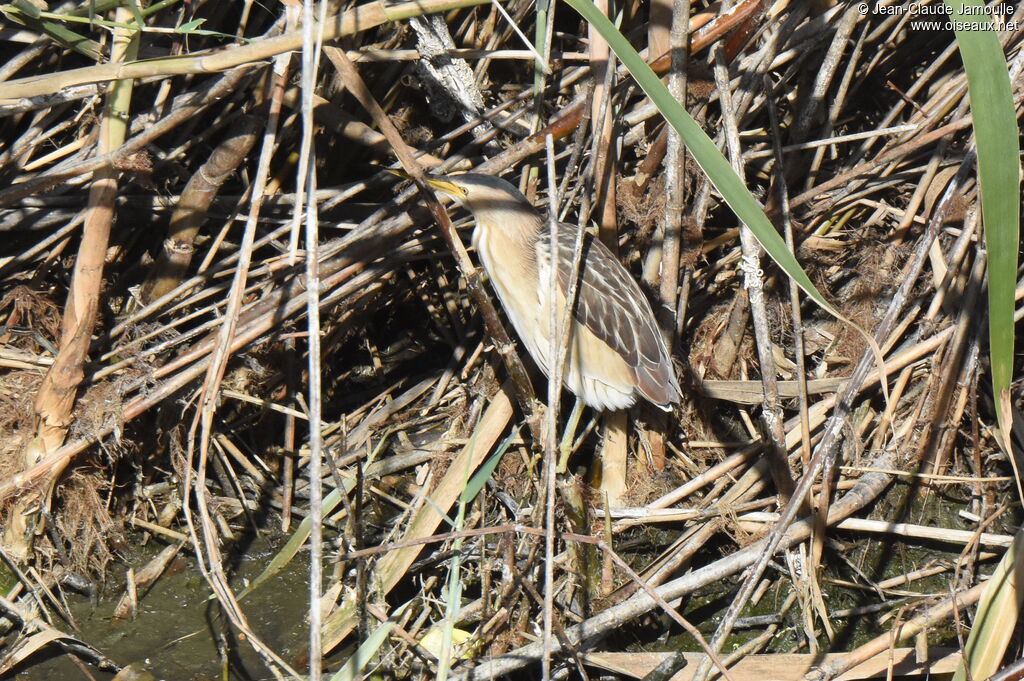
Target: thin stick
{"type": "Point", "coordinates": [307, 181]}
{"type": "Point", "coordinates": [551, 415]}
{"type": "Point", "coordinates": [771, 410]}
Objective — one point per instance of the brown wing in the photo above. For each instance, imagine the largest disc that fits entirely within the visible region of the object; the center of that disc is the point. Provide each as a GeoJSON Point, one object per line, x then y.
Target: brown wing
{"type": "Point", "coordinates": [612, 306]}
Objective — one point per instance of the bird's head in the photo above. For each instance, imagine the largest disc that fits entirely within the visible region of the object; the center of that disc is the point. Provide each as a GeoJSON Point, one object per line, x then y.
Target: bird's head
{"type": "Point", "coordinates": [488, 198]}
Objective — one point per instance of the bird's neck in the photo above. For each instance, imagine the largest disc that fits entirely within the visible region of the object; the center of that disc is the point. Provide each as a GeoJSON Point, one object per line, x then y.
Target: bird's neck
{"type": "Point", "coordinates": [521, 231]}
{"type": "Point", "coordinates": [511, 241]}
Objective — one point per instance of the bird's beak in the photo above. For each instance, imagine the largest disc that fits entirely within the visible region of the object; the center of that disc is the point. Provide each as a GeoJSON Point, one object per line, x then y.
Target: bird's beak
{"type": "Point", "coordinates": [448, 187]}
{"type": "Point", "coordinates": [440, 184]}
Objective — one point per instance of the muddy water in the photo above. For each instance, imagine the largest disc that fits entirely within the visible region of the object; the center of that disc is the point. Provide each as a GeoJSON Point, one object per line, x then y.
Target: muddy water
{"type": "Point", "coordinates": [172, 633]}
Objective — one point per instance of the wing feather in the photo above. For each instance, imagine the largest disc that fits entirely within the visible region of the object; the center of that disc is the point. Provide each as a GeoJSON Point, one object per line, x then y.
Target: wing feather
{"type": "Point", "coordinates": [612, 306]}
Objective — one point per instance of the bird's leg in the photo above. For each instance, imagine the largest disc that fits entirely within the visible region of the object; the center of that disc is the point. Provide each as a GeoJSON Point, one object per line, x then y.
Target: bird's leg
{"type": "Point", "coordinates": [565, 446]}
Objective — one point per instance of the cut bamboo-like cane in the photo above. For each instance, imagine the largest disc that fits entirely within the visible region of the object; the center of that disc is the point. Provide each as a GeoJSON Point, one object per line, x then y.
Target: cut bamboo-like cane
{"type": "Point", "coordinates": [361, 18]}
{"type": "Point", "coordinates": [903, 529]}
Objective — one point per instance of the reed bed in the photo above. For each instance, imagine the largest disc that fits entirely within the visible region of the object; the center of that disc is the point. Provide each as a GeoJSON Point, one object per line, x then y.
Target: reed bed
{"type": "Point", "coordinates": [175, 177]}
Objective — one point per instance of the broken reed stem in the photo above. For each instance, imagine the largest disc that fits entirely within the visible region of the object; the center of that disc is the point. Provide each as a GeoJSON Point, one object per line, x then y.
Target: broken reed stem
{"type": "Point", "coordinates": [56, 396]}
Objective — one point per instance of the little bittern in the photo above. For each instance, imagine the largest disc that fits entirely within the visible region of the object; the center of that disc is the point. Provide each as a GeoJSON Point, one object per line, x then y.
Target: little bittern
{"type": "Point", "coordinates": [616, 350]}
